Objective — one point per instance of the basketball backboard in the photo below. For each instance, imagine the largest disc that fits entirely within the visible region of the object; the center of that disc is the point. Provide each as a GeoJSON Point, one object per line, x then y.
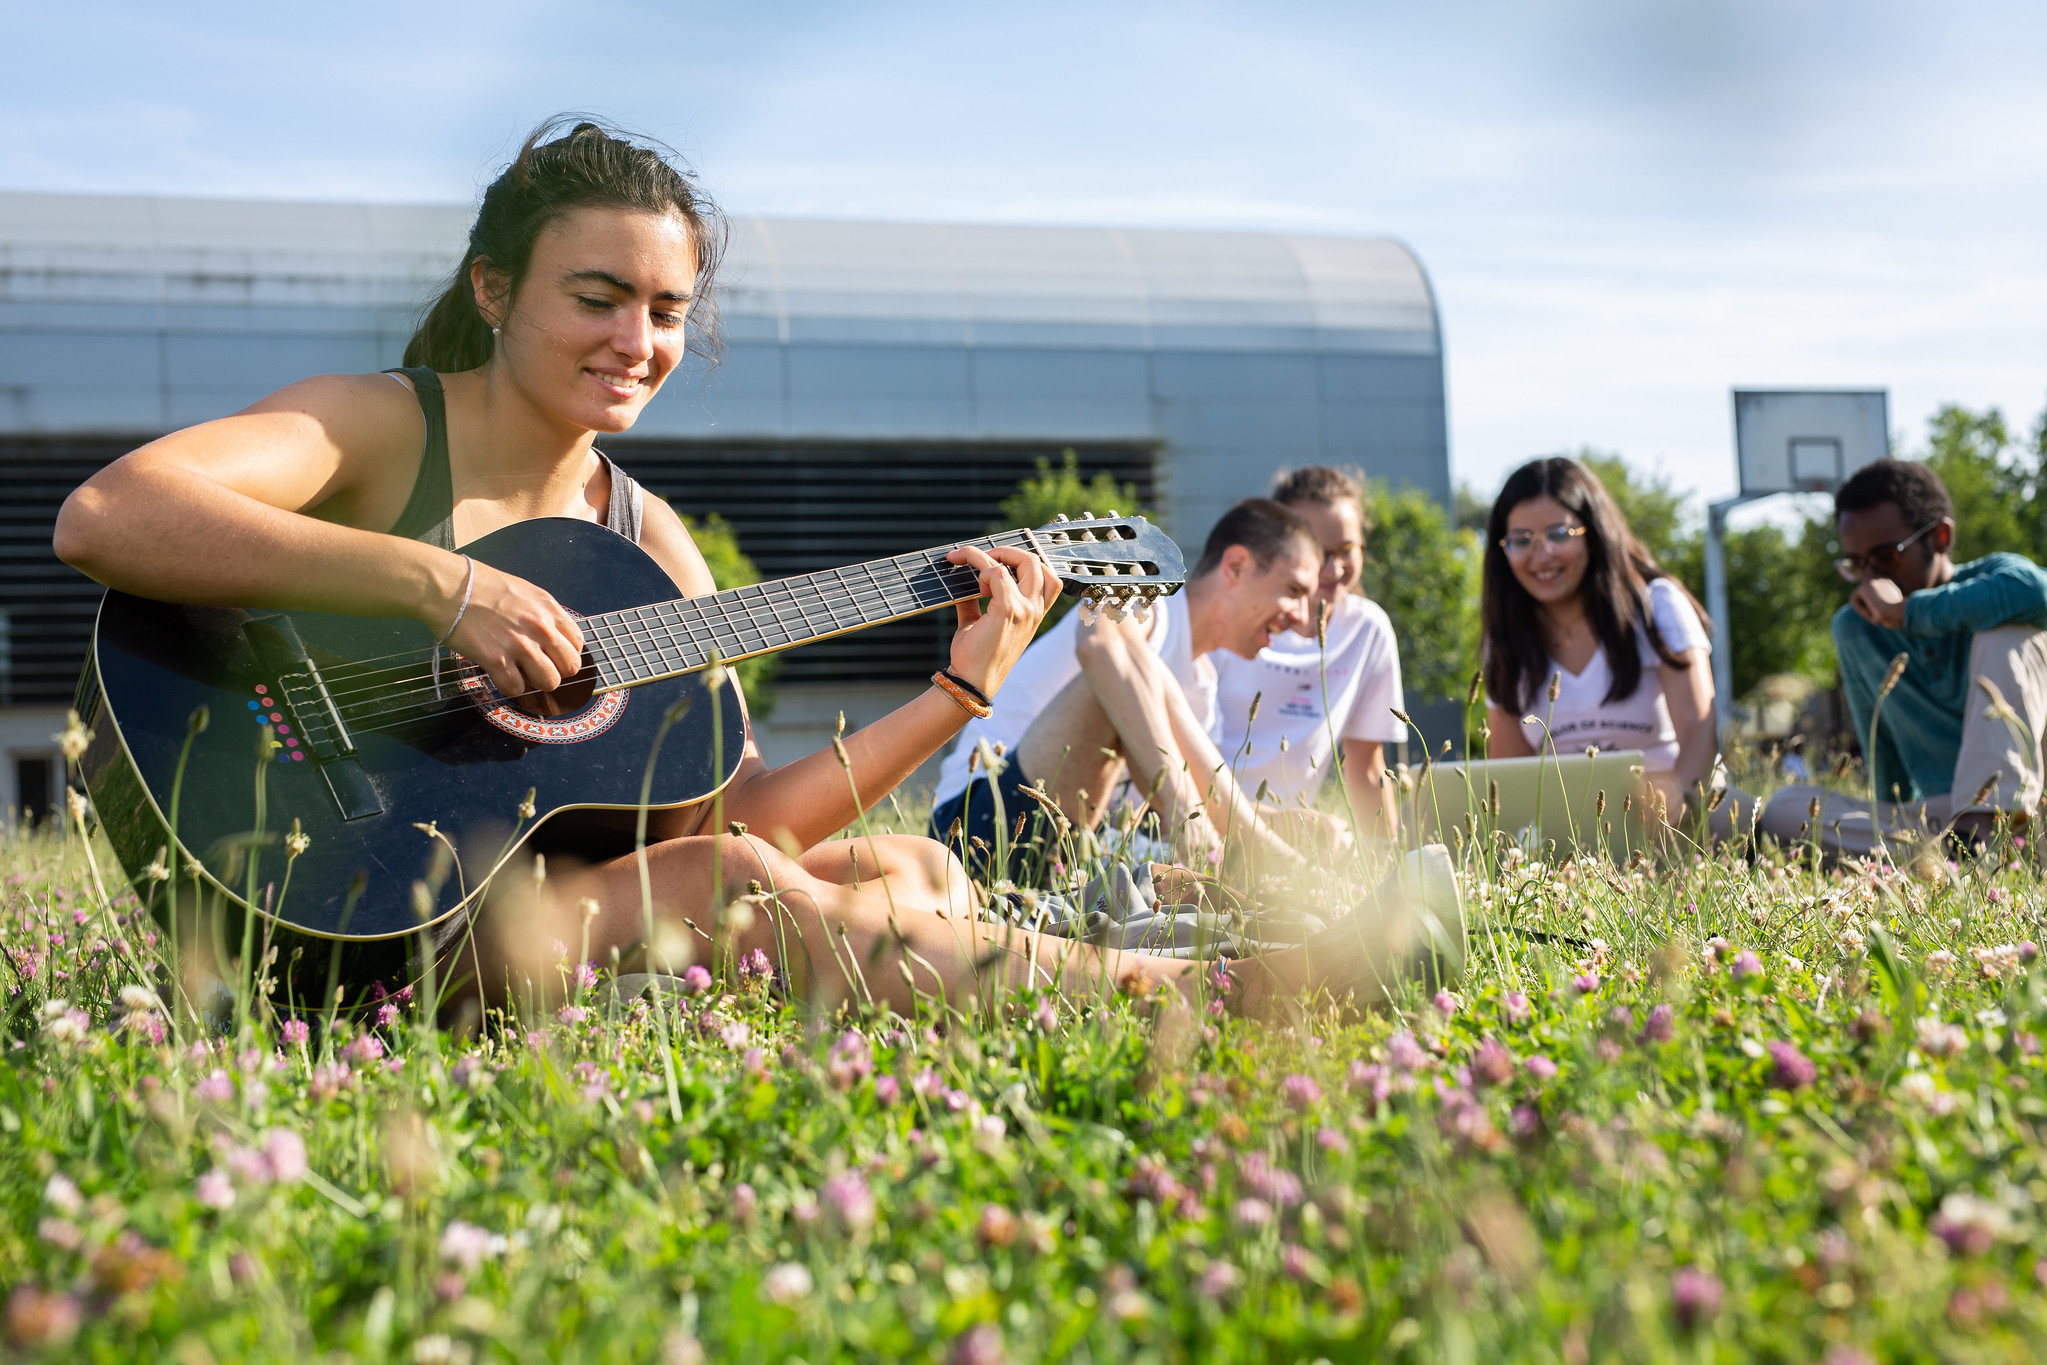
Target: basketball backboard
{"type": "Point", "coordinates": [1806, 441]}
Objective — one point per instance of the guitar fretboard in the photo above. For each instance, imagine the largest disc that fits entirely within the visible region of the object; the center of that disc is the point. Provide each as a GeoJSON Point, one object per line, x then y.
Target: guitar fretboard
{"type": "Point", "coordinates": [643, 644]}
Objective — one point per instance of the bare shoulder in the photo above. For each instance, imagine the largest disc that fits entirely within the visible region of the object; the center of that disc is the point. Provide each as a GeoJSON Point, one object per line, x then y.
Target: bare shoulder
{"type": "Point", "coordinates": [367, 413]}
{"type": "Point", "coordinates": [663, 536]}
{"type": "Point", "coordinates": [324, 442]}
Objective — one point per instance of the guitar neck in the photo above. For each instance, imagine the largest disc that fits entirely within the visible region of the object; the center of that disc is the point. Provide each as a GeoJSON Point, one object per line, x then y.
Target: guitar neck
{"type": "Point", "coordinates": [644, 644]}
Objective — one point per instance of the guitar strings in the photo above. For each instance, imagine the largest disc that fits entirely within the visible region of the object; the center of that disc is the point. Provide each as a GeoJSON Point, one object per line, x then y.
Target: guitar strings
{"type": "Point", "coordinates": [1017, 539]}
{"type": "Point", "coordinates": [616, 636]}
{"type": "Point", "coordinates": [419, 704]}
{"type": "Point", "coordinates": [753, 599]}
{"type": "Point", "coordinates": [619, 635]}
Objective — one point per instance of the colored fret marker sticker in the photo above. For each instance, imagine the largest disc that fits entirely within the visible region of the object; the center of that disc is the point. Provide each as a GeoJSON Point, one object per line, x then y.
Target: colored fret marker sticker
{"type": "Point", "coordinates": [292, 743]}
{"type": "Point", "coordinates": [285, 730]}
{"type": "Point", "coordinates": [275, 718]}
{"type": "Point", "coordinates": [255, 706]}
{"type": "Point", "coordinates": [299, 757]}
{"type": "Point", "coordinates": [261, 690]}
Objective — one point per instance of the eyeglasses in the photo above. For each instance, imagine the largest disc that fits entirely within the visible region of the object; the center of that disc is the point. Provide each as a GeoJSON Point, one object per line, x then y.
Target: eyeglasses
{"type": "Point", "coordinates": [1879, 561]}
{"type": "Point", "coordinates": [1557, 537]}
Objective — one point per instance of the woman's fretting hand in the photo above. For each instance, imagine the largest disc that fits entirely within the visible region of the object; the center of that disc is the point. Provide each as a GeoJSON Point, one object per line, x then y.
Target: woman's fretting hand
{"type": "Point", "coordinates": [989, 641]}
{"type": "Point", "coordinates": [524, 639]}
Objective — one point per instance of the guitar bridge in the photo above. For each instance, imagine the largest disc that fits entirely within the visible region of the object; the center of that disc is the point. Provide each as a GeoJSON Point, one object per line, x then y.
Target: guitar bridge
{"type": "Point", "coordinates": [319, 720]}
{"type": "Point", "coordinates": [321, 729]}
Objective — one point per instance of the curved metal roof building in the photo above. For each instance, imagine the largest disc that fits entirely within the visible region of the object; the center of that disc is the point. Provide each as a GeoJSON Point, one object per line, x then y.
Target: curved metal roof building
{"type": "Point", "coordinates": [883, 384]}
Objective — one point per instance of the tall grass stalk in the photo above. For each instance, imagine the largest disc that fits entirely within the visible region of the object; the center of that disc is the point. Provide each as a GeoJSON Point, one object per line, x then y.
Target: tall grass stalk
{"type": "Point", "coordinates": [659, 997]}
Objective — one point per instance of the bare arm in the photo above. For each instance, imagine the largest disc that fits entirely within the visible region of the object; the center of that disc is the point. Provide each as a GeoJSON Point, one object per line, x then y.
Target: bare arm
{"type": "Point", "coordinates": [812, 798]}
{"type": "Point", "coordinates": [1505, 738]}
{"type": "Point", "coordinates": [1228, 805]}
{"type": "Point", "coordinates": [1689, 694]}
{"type": "Point", "coordinates": [1371, 797]}
{"type": "Point", "coordinates": [255, 510]}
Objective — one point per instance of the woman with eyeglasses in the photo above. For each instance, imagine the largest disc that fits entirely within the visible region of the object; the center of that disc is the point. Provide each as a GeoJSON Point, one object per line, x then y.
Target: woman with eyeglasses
{"type": "Point", "coordinates": [1589, 643]}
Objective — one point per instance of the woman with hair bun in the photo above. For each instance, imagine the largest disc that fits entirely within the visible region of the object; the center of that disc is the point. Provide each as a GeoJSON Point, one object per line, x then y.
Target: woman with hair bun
{"type": "Point", "coordinates": [1589, 643]}
{"type": "Point", "coordinates": [586, 280]}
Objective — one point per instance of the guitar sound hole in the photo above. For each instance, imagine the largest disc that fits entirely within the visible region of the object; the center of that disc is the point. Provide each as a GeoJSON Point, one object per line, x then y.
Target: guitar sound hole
{"type": "Point", "coordinates": [571, 696]}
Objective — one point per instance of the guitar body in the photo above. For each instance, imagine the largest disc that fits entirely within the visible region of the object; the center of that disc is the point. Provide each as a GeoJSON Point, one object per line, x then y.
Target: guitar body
{"type": "Point", "coordinates": [456, 756]}
{"type": "Point", "coordinates": [385, 751]}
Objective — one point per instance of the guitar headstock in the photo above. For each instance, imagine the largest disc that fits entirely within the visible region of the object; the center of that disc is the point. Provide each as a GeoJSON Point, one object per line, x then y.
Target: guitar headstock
{"type": "Point", "coordinates": [1116, 564]}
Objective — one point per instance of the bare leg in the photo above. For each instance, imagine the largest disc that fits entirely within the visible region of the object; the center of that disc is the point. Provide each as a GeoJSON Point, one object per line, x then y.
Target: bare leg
{"type": "Point", "coordinates": [908, 940]}
{"type": "Point", "coordinates": [1116, 713]}
{"type": "Point", "coordinates": [1074, 750]}
{"type": "Point", "coordinates": [835, 942]}
{"type": "Point", "coordinates": [913, 866]}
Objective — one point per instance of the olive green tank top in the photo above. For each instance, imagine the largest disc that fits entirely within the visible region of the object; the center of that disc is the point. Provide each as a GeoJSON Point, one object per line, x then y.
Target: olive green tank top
{"type": "Point", "coordinates": [429, 513]}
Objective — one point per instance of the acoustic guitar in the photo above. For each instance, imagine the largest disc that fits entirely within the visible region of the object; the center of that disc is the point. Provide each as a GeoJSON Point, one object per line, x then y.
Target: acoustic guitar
{"type": "Point", "coordinates": [380, 746]}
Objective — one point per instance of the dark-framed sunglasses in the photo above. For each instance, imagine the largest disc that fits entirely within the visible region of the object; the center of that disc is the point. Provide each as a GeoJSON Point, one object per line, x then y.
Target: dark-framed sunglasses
{"type": "Point", "coordinates": [1557, 537]}
{"type": "Point", "coordinates": [1882, 559]}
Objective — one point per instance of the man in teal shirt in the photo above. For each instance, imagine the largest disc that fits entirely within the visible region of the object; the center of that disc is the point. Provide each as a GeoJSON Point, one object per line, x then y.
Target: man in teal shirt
{"type": "Point", "coordinates": [1957, 738]}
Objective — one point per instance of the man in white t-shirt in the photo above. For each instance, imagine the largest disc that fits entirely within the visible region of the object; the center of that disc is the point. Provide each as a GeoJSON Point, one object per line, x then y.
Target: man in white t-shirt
{"type": "Point", "coordinates": [1311, 693]}
{"type": "Point", "coordinates": [1089, 705]}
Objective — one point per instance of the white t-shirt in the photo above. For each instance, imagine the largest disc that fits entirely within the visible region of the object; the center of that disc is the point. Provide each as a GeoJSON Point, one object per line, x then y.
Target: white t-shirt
{"type": "Point", "coordinates": [1360, 673]}
{"type": "Point", "coordinates": [1049, 665]}
{"type": "Point", "coordinates": [1583, 717]}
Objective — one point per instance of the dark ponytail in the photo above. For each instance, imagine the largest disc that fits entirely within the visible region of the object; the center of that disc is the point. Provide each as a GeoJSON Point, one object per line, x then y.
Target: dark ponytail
{"type": "Point", "coordinates": [554, 174]}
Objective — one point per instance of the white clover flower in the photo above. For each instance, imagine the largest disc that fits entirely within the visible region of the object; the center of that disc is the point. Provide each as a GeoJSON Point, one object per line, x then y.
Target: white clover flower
{"type": "Point", "coordinates": [63, 1196]}
{"type": "Point", "coordinates": [1918, 1087]}
{"type": "Point", "coordinates": [787, 1283]}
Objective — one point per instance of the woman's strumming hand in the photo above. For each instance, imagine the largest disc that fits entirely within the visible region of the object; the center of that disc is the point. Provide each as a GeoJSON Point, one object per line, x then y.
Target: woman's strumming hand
{"type": "Point", "coordinates": [989, 641]}
{"type": "Point", "coordinates": [524, 639]}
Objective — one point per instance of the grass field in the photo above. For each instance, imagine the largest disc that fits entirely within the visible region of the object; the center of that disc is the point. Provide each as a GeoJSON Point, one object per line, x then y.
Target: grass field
{"type": "Point", "coordinates": [1727, 1111]}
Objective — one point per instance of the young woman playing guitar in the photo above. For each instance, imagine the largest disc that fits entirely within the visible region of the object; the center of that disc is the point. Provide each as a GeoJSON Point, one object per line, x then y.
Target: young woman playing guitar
{"type": "Point", "coordinates": [587, 277]}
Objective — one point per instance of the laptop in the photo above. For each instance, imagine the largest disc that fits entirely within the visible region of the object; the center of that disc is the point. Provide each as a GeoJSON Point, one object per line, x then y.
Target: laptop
{"type": "Point", "coordinates": [1545, 801]}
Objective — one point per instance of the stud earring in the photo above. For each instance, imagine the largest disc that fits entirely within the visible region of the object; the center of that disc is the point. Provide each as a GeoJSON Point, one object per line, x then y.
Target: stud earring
{"type": "Point", "coordinates": [495, 330]}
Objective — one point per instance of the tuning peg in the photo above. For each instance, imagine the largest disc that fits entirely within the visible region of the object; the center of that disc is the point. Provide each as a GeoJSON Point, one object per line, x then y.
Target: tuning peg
{"type": "Point", "coordinates": [1088, 611]}
{"type": "Point", "coordinates": [1113, 608]}
{"type": "Point", "coordinates": [1142, 611]}
{"type": "Point", "coordinates": [1087, 516]}
{"type": "Point", "coordinates": [1061, 516]}
{"type": "Point", "coordinates": [1113, 514]}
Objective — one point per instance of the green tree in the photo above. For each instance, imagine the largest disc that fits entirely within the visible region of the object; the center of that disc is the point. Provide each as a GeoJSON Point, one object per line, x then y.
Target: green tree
{"type": "Point", "coordinates": [1993, 484]}
{"type": "Point", "coordinates": [1040, 498]}
{"type": "Point", "coordinates": [1471, 509]}
{"type": "Point", "coordinates": [718, 543]}
{"type": "Point", "coordinates": [1654, 510]}
{"type": "Point", "coordinates": [1425, 572]}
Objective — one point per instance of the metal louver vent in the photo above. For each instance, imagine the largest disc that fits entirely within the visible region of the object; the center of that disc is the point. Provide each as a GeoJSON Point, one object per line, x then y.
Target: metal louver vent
{"type": "Point", "coordinates": [49, 605]}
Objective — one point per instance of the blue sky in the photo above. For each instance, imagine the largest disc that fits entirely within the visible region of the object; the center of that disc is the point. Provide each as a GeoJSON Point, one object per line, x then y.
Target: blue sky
{"type": "Point", "coordinates": [1627, 206]}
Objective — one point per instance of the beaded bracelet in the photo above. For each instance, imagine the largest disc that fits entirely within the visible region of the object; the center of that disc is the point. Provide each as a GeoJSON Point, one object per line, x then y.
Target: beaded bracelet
{"type": "Point", "coordinates": [976, 693]}
{"type": "Point", "coordinates": [969, 699]}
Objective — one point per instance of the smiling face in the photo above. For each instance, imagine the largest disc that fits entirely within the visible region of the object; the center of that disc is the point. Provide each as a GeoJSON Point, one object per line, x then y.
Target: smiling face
{"type": "Point", "coordinates": [1260, 603]}
{"type": "Point", "coordinates": [1550, 573]}
{"type": "Point", "coordinates": [1341, 529]}
{"type": "Point", "coordinates": [598, 322]}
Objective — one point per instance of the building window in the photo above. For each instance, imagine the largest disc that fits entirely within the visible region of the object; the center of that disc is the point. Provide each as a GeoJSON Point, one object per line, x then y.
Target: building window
{"type": "Point", "coordinates": [35, 788]}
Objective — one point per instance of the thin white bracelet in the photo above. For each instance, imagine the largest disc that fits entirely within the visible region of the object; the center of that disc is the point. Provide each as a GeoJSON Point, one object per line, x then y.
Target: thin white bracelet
{"type": "Point", "coordinates": [468, 586]}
